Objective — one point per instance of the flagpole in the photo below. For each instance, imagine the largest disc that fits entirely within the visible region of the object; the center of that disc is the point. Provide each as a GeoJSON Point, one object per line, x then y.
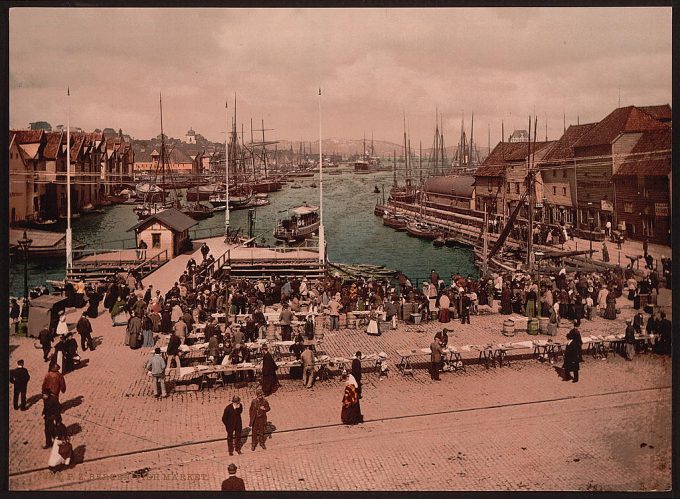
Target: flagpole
{"type": "Point", "coordinates": [69, 234]}
{"type": "Point", "coordinates": [322, 236]}
{"type": "Point", "coordinates": [226, 169]}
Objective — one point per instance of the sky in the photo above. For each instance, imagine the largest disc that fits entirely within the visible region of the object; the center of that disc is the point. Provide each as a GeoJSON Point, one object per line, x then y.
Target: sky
{"type": "Point", "coordinates": [375, 67]}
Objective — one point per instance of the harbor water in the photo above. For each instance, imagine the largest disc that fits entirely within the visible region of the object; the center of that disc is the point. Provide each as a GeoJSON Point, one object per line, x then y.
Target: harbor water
{"type": "Point", "coordinates": [353, 233]}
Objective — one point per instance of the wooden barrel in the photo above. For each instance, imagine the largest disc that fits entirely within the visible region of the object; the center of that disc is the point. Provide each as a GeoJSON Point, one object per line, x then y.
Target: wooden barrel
{"type": "Point", "coordinates": [543, 325]}
{"type": "Point", "coordinates": [532, 326]}
{"type": "Point", "coordinates": [508, 327]}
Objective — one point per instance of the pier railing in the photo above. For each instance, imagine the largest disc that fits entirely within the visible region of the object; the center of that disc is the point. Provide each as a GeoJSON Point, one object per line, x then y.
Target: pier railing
{"type": "Point", "coordinates": [152, 263]}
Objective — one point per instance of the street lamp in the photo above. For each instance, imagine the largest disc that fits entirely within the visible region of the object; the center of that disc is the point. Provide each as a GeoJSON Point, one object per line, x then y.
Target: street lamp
{"type": "Point", "coordinates": [25, 243]}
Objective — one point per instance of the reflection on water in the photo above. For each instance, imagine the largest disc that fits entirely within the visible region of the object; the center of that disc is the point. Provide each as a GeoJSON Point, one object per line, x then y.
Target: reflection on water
{"type": "Point", "coordinates": [353, 233]}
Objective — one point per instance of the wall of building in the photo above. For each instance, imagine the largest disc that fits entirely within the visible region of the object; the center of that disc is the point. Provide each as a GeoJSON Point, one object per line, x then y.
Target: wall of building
{"type": "Point", "coordinates": [643, 204]}
{"type": "Point", "coordinates": [20, 189]}
{"type": "Point", "coordinates": [167, 242]}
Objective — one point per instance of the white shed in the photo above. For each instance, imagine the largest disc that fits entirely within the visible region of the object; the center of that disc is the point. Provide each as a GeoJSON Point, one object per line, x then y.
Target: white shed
{"type": "Point", "coordinates": [165, 230]}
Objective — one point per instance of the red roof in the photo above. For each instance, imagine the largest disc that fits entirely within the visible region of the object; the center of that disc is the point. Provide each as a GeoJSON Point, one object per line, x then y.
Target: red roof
{"type": "Point", "coordinates": [27, 136]}
{"type": "Point", "coordinates": [661, 113]}
{"type": "Point", "coordinates": [54, 139]}
{"type": "Point", "coordinates": [623, 119]}
{"type": "Point", "coordinates": [504, 152]}
{"type": "Point", "coordinates": [564, 148]}
{"type": "Point", "coordinates": [76, 144]}
{"type": "Point", "coordinates": [651, 155]}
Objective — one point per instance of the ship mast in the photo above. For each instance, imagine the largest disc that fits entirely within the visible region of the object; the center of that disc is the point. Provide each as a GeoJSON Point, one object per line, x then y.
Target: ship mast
{"type": "Point", "coordinates": [227, 137]}
{"type": "Point", "coordinates": [163, 151]}
{"type": "Point", "coordinates": [69, 234]}
{"type": "Point", "coordinates": [322, 236]}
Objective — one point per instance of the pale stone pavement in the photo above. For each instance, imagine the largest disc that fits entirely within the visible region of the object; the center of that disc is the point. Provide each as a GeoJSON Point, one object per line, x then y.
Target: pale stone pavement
{"type": "Point", "coordinates": [584, 438]}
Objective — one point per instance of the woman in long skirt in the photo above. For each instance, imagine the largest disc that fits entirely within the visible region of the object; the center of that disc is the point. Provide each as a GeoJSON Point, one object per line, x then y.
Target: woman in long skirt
{"type": "Point", "coordinates": [572, 355]}
{"type": "Point", "coordinates": [351, 408]}
{"type": "Point", "coordinates": [506, 301]}
{"type": "Point", "coordinates": [444, 304]}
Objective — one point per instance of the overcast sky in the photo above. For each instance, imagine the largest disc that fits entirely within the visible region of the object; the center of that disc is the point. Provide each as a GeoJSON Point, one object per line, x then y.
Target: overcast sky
{"type": "Point", "coordinates": [372, 64]}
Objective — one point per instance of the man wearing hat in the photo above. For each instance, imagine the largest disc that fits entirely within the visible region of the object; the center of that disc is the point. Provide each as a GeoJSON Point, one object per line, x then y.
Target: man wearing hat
{"type": "Point", "coordinates": [233, 482]}
{"type": "Point", "coordinates": [231, 418]}
{"type": "Point", "coordinates": [269, 381]}
{"type": "Point", "coordinates": [356, 372]}
{"type": "Point", "coordinates": [630, 340]}
{"type": "Point", "coordinates": [156, 369]}
{"type": "Point", "coordinates": [84, 328]}
{"type": "Point", "coordinates": [259, 408]}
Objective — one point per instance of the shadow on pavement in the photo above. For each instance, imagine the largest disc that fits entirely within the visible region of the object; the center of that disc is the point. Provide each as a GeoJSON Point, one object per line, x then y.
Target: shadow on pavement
{"type": "Point", "coordinates": [70, 404]}
{"type": "Point", "coordinates": [74, 429]}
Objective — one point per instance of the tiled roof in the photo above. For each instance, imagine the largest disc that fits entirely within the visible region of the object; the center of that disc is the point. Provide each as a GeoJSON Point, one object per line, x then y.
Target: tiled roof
{"type": "Point", "coordinates": [623, 119]}
{"type": "Point", "coordinates": [54, 139]}
{"type": "Point", "coordinates": [651, 155]}
{"type": "Point", "coordinates": [661, 113]}
{"type": "Point", "coordinates": [504, 152]}
{"type": "Point", "coordinates": [76, 144]}
{"type": "Point", "coordinates": [563, 148]}
{"type": "Point", "coordinates": [28, 136]}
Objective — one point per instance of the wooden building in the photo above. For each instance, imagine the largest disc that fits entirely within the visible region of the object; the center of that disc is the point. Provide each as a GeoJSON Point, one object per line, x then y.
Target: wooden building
{"type": "Point", "coordinates": [166, 230]}
{"type": "Point", "coordinates": [642, 186]}
{"type": "Point", "coordinates": [558, 177]}
{"type": "Point", "coordinates": [24, 151]}
{"type": "Point", "coordinates": [595, 154]}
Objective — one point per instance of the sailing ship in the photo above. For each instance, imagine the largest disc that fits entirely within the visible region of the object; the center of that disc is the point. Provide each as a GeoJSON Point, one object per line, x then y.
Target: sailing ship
{"type": "Point", "coordinates": [302, 223]}
{"type": "Point", "coordinates": [395, 221]}
{"type": "Point", "coordinates": [406, 193]}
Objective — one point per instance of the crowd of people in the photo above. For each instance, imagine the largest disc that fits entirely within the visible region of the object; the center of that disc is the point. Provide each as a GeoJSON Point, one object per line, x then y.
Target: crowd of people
{"type": "Point", "coordinates": [200, 291]}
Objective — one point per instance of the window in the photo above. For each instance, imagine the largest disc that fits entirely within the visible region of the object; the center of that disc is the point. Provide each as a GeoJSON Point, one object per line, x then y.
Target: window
{"type": "Point", "coordinates": [488, 184]}
{"type": "Point", "coordinates": [564, 173]}
{"type": "Point", "coordinates": [628, 207]}
{"type": "Point", "coordinates": [155, 240]}
{"type": "Point", "coordinates": [554, 173]}
{"type": "Point", "coordinates": [564, 191]}
{"type": "Point", "coordinates": [554, 190]}
{"type": "Point", "coordinates": [516, 187]}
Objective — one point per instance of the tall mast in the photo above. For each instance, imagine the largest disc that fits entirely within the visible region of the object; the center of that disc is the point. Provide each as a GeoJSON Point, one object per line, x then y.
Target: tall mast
{"type": "Point", "coordinates": [227, 133]}
{"type": "Point", "coordinates": [264, 151]}
{"type": "Point", "coordinates": [406, 170]}
{"type": "Point", "coordinates": [394, 169]}
{"type": "Point", "coordinates": [420, 162]}
{"type": "Point", "coordinates": [252, 149]}
{"type": "Point", "coordinates": [322, 236]}
{"type": "Point", "coordinates": [69, 234]}
{"type": "Point", "coordinates": [472, 131]}
{"type": "Point", "coordinates": [163, 150]}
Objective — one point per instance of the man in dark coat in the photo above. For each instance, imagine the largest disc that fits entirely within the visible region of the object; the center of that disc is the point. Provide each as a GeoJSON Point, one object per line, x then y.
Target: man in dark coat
{"type": "Point", "coordinates": [84, 329]}
{"type": "Point", "coordinates": [19, 378]}
{"type": "Point", "coordinates": [70, 351]}
{"type": "Point", "coordinates": [572, 355]}
{"type": "Point", "coordinates": [231, 418]}
{"type": "Point", "coordinates": [269, 367]}
{"type": "Point", "coordinates": [45, 338]}
{"type": "Point", "coordinates": [51, 414]}
{"type": "Point", "coordinates": [259, 408]}
{"type": "Point", "coordinates": [665, 329]}
{"type": "Point", "coordinates": [356, 372]}
{"type": "Point", "coordinates": [233, 482]}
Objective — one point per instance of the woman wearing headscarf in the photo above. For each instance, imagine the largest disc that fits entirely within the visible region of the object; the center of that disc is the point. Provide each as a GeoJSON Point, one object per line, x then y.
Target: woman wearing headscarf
{"type": "Point", "coordinates": [117, 309]}
{"type": "Point", "coordinates": [269, 381]}
{"type": "Point", "coordinates": [444, 304]}
{"type": "Point", "coordinates": [572, 355]}
{"type": "Point", "coordinates": [530, 303]}
{"type": "Point", "coordinates": [506, 300]}
{"type": "Point", "coordinates": [351, 408]}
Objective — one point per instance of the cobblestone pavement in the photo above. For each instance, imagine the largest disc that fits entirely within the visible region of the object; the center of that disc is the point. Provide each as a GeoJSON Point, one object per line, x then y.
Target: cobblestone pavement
{"type": "Point", "coordinates": [110, 411]}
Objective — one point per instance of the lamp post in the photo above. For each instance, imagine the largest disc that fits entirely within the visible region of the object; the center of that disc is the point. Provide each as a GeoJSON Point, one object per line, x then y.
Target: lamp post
{"type": "Point", "coordinates": [25, 243]}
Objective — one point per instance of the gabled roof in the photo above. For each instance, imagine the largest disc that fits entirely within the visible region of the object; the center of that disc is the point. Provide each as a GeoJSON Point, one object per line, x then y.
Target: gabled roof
{"type": "Point", "coordinates": [52, 149]}
{"type": "Point", "coordinates": [171, 218]}
{"type": "Point", "coordinates": [504, 153]}
{"type": "Point", "coordinates": [623, 119]}
{"type": "Point", "coordinates": [28, 136]}
{"type": "Point", "coordinates": [651, 155]}
{"type": "Point", "coordinates": [76, 145]}
{"type": "Point", "coordinates": [563, 148]}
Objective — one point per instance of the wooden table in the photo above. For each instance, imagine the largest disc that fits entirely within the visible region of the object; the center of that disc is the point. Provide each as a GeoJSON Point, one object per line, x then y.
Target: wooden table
{"type": "Point", "coordinates": [550, 349]}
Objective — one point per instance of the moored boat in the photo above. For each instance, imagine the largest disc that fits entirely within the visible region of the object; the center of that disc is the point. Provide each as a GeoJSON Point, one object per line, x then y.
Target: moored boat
{"type": "Point", "coordinates": [422, 230]}
{"type": "Point", "coordinates": [301, 224]}
{"type": "Point", "coordinates": [397, 222]}
{"type": "Point", "coordinates": [198, 211]}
